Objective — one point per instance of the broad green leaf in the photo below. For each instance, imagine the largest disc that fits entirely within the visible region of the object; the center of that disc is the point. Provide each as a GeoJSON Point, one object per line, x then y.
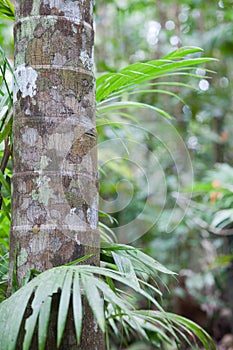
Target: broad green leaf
{"type": "Point", "coordinates": [125, 266]}
{"type": "Point", "coordinates": [112, 297]}
{"type": "Point", "coordinates": [12, 311]}
{"type": "Point", "coordinates": [201, 187]}
{"type": "Point", "coordinates": [43, 322]}
{"type": "Point", "coordinates": [117, 276]}
{"type": "Point", "coordinates": [64, 305]}
{"type": "Point", "coordinates": [53, 283]}
{"type": "Point", "coordinates": [77, 306]}
{"type": "Point", "coordinates": [94, 299]}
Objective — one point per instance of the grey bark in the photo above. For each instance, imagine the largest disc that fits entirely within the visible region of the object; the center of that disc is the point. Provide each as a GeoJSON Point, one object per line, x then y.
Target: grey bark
{"type": "Point", "coordinates": [55, 189]}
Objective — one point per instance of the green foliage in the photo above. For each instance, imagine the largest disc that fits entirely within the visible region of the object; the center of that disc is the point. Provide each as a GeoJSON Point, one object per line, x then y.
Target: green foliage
{"type": "Point", "coordinates": [126, 273]}
{"type": "Point", "coordinates": [6, 115]}
{"type": "Point", "coordinates": [214, 195]}
{"type": "Point", "coordinates": [79, 281]}
{"type": "Point", "coordinates": [7, 10]}
{"type": "Point", "coordinates": [5, 169]}
{"type": "Point", "coordinates": [111, 86]}
{"type": "Point", "coordinates": [129, 266]}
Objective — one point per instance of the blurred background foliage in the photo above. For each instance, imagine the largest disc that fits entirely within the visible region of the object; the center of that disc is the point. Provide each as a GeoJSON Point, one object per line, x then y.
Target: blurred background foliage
{"type": "Point", "coordinates": [192, 231]}
{"type": "Point", "coordinates": [188, 160]}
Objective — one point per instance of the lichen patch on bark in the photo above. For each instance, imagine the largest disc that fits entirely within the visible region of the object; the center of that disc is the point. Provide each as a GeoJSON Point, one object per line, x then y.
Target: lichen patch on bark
{"type": "Point", "coordinates": [22, 257]}
{"type": "Point", "coordinates": [66, 8]}
{"type": "Point", "coordinates": [25, 81]}
{"type": "Point", "coordinates": [86, 59]}
{"type": "Point", "coordinates": [30, 136]}
{"type": "Point", "coordinates": [45, 191]}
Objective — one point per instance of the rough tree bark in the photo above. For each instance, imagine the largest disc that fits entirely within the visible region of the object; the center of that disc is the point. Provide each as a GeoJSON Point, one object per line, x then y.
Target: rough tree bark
{"type": "Point", "coordinates": [54, 201]}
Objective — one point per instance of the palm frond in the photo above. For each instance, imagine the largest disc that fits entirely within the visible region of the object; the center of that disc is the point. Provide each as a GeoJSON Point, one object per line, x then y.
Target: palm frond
{"type": "Point", "coordinates": [187, 329]}
{"type": "Point", "coordinates": [131, 76]}
{"type": "Point", "coordinates": [79, 282]}
{"type": "Point", "coordinates": [141, 261]}
{"type": "Point", "coordinates": [130, 104]}
{"type": "Point", "coordinates": [7, 10]}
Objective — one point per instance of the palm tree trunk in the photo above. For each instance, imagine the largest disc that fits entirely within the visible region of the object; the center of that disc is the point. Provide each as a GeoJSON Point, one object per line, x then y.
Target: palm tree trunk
{"type": "Point", "coordinates": [54, 201]}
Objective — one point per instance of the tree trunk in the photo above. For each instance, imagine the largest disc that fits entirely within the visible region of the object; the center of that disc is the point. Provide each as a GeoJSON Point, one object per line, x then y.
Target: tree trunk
{"type": "Point", "coordinates": [54, 201]}
{"type": "Point", "coordinates": [219, 148]}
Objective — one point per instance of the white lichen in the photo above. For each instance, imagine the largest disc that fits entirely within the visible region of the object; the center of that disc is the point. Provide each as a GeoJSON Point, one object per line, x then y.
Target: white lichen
{"type": "Point", "coordinates": [70, 8]}
{"type": "Point", "coordinates": [25, 81]}
{"type": "Point", "coordinates": [59, 60]}
{"type": "Point", "coordinates": [61, 142]}
{"type": "Point", "coordinates": [56, 244]}
{"type": "Point", "coordinates": [34, 195]}
{"type": "Point", "coordinates": [39, 243]}
{"type": "Point", "coordinates": [91, 8]}
{"type": "Point", "coordinates": [77, 238]}
{"type": "Point", "coordinates": [45, 192]}
{"type": "Point", "coordinates": [86, 59]}
{"type": "Point", "coordinates": [75, 30]}
{"type": "Point", "coordinates": [55, 214]}
{"type": "Point", "coordinates": [72, 211]}
{"type": "Point", "coordinates": [74, 222]}
{"type": "Point", "coordinates": [30, 137]}
{"type": "Point", "coordinates": [92, 217]}
{"type": "Point", "coordinates": [95, 326]}
{"type": "Point", "coordinates": [27, 29]}
{"type": "Point", "coordinates": [35, 7]}
{"type": "Point", "coordinates": [44, 162]}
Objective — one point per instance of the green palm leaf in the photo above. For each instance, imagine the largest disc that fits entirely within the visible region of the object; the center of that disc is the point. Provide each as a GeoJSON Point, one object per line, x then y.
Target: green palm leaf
{"type": "Point", "coordinates": [118, 105]}
{"type": "Point", "coordinates": [94, 299]}
{"type": "Point", "coordinates": [7, 10]}
{"type": "Point", "coordinates": [54, 283]}
{"type": "Point", "coordinates": [182, 324]}
{"type": "Point", "coordinates": [12, 318]}
{"type": "Point", "coordinates": [64, 305]}
{"type": "Point", "coordinates": [44, 322]}
{"type": "Point", "coordinates": [77, 306]}
{"type": "Point", "coordinates": [65, 279]}
{"type": "Point", "coordinates": [142, 72]}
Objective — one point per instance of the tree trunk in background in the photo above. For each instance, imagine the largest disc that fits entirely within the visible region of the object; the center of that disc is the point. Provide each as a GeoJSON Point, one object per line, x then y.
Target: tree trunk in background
{"type": "Point", "coordinates": [55, 205]}
{"type": "Point", "coordinates": [219, 148]}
